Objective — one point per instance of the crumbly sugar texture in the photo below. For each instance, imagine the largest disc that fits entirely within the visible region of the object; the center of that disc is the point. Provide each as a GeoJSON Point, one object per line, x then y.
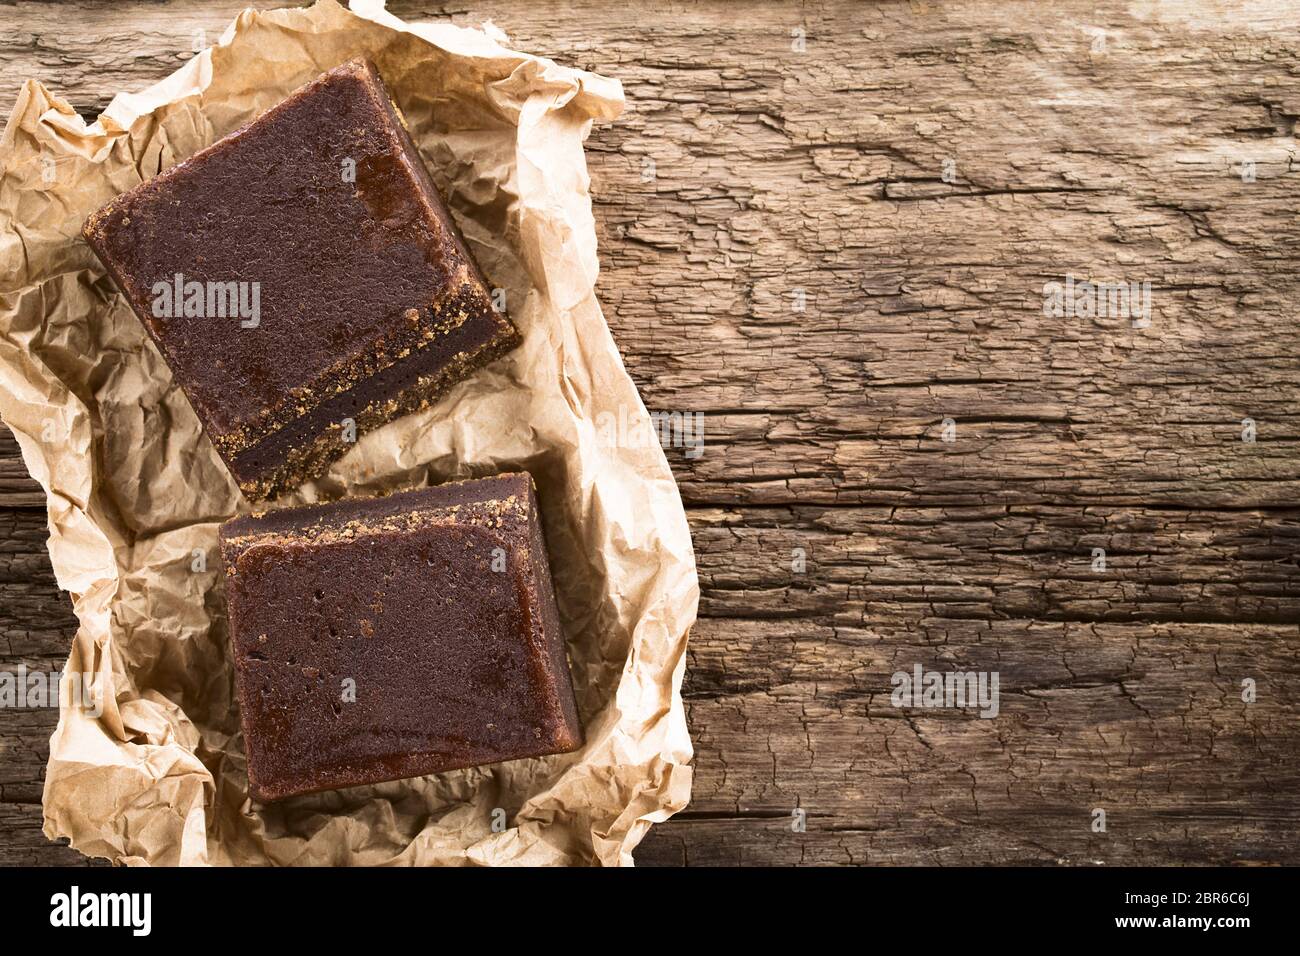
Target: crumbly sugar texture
{"type": "Point", "coordinates": [396, 637]}
{"type": "Point", "coordinates": [332, 288]}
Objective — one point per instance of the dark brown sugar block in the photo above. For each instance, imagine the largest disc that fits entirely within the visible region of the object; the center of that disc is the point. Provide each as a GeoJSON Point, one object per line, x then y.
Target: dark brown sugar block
{"type": "Point", "coordinates": [396, 637]}
{"type": "Point", "coordinates": [303, 280]}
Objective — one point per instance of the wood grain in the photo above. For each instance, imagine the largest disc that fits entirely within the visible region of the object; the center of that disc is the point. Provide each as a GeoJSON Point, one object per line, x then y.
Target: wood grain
{"type": "Point", "coordinates": [915, 176]}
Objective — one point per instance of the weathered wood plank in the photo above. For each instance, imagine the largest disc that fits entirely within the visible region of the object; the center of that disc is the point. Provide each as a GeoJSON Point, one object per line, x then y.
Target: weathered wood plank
{"type": "Point", "coordinates": [776, 172]}
{"type": "Point", "coordinates": [36, 626]}
{"type": "Point", "coordinates": [1143, 721]}
{"type": "Point", "coordinates": [89, 51]}
{"type": "Point", "coordinates": [23, 843]}
{"type": "Point", "coordinates": [885, 566]}
{"type": "Point", "coordinates": [17, 488]}
{"type": "Point", "coordinates": [1122, 685]}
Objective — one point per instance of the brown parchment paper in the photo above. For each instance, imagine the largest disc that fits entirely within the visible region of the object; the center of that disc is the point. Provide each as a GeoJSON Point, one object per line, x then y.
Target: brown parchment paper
{"type": "Point", "coordinates": [135, 492]}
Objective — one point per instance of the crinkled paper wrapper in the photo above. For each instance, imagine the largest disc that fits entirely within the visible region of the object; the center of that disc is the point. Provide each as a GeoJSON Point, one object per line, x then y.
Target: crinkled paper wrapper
{"type": "Point", "coordinates": [135, 492]}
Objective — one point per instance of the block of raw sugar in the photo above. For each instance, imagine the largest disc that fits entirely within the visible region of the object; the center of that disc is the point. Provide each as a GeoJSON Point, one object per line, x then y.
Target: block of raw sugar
{"type": "Point", "coordinates": [394, 637]}
{"type": "Point", "coordinates": [303, 280]}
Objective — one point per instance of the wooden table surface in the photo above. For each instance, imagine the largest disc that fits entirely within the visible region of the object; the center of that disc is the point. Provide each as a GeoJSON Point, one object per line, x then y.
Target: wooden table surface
{"type": "Point", "coordinates": [915, 175]}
